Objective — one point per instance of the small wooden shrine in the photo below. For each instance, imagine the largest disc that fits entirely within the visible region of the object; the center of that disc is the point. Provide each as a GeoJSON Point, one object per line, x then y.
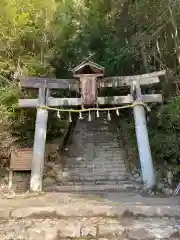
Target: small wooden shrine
{"type": "Point", "coordinates": [89, 75]}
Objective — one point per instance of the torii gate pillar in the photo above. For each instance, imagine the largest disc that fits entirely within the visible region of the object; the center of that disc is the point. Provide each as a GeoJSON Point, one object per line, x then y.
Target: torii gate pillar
{"type": "Point", "coordinates": [147, 169]}
{"type": "Point", "coordinates": [39, 143]}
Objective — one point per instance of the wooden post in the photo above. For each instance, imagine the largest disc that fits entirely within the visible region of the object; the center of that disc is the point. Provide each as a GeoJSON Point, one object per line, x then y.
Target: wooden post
{"type": "Point", "coordinates": [147, 169]}
{"type": "Point", "coordinates": [39, 144]}
{"type": "Point", "coordinates": [10, 179]}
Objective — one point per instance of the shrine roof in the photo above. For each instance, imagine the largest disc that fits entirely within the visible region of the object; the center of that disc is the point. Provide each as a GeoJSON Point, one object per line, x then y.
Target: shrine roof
{"type": "Point", "coordinates": [88, 67]}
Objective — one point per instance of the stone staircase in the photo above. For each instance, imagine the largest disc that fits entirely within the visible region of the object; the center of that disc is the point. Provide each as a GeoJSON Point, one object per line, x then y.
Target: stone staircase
{"type": "Point", "coordinates": [95, 159]}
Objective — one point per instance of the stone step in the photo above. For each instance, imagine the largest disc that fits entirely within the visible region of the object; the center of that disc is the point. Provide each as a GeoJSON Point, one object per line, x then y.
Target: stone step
{"type": "Point", "coordinates": [93, 188]}
{"type": "Point", "coordinates": [94, 170]}
{"type": "Point", "coordinates": [98, 182]}
{"type": "Point", "coordinates": [97, 149]}
{"type": "Point", "coordinates": [101, 160]}
{"type": "Point", "coordinates": [90, 228]}
{"type": "Point", "coordinates": [96, 161]}
{"type": "Point", "coordinates": [103, 181]}
{"type": "Point", "coordinates": [97, 157]}
{"type": "Point", "coordinates": [99, 136]}
{"type": "Point", "coordinates": [89, 173]}
{"type": "Point", "coordinates": [64, 205]}
{"type": "Point", "coordinates": [95, 165]}
{"type": "Point", "coordinates": [94, 175]}
{"type": "Point", "coordinates": [94, 178]}
{"type": "Point", "coordinates": [111, 168]}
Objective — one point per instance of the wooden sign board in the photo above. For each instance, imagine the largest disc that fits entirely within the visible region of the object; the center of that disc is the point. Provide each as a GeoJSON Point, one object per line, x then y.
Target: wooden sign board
{"type": "Point", "coordinates": [21, 159]}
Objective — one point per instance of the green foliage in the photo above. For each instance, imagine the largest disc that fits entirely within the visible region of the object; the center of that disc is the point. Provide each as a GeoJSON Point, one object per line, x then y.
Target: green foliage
{"type": "Point", "coordinates": [165, 137]}
{"type": "Point", "coordinates": [169, 115]}
{"type": "Point", "coordinates": [8, 99]}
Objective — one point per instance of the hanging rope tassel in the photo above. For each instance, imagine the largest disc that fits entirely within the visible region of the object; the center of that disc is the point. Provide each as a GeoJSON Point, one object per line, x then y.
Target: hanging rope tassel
{"type": "Point", "coordinates": [58, 115]}
{"type": "Point", "coordinates": [117, 112]}
{"type": "Point", "coordinates": [109, 116]}
{"type": "Point", "coordinates": [80, 113]}
{"type": "Point", "coordinates": [89, 117]}
{"type": "Point", "coordinates": [70, 118]}
{"type": "Point", "coordinates": [80, 116]}
{"type": "Point", "coordinates": [97, 113]}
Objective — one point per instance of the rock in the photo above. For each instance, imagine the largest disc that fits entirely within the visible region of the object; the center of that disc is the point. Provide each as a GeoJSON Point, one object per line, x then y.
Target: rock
{"type": "Point", "coordinates": [79, 159]}
{"type": "Point", "coordinates": [147, 192]}
{"type": "Point", "coordinates": [167, 191]}
{"type": "Point", "coordinates": [59, 176]}
{"type": "Point", "coordinates": [139, 179]}
{"type": "Point", "coordinates": [88, 230]}
{"type": "Point", "coordinates": [114, 229]}
{"type": "Point", "coordinates": [56, 172]}
{"type": "Point", "coordinates": [52, 173]}
{"type": "Point", "coordinates": [46, 170]}
{"type": "Point", "coordinates": [30, 229]}
{"type": "Point", "coordinates": [138, 234]}
{"type": "Point", "coordinates": [66, 149]}
{"type": "Point", "coordinates": [169, 176]}
{"type": "Point", "coordinates": [160, 186]}
{"type": "Point", "coordinates": [151, 193]}
{"type": "Point", "coordinates": [43, 232]}
{"type": "Point", "coordinates": [4, 181]}
{"type": "Point", "coordinates": [4, 213]}
{"type": "Point", "coordinates": [48, 181]}
{"type": "Point", "coordinates": [137, 175]}
{"type": "Point", "coordinates": [135, 171]}
{"type": "Point", "coordinates": [57, 168]}
{"type": "Point", "coordinates": [49, 164]}
{"type": "Point", "coordinates": [152, 229]}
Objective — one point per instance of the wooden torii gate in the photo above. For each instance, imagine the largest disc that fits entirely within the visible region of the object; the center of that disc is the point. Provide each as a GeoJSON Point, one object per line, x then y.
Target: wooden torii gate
{"type": "Point", "coordinates": [91, 72]}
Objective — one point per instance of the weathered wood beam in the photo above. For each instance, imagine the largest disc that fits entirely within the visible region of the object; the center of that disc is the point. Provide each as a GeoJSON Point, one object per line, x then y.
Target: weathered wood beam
{"type": "Point", "coordinates": [144, 79]}
{"type": "Point", "coordinates": [52, 83]}
{"type": "Point", "coordinates": [150, 98]}
{"type": "Point", "coordinates": [119, 81]}
{"type": "Point", "coordinates": [106, 82]}
{"type": "Point", "coordinates": [28, 103]}
{"type": "Point", "coordinates": [115, 100]}
{"type": "Point", "coordinates": [136, 77]}
{"type": "Point", "coordinates": [125, 82]}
